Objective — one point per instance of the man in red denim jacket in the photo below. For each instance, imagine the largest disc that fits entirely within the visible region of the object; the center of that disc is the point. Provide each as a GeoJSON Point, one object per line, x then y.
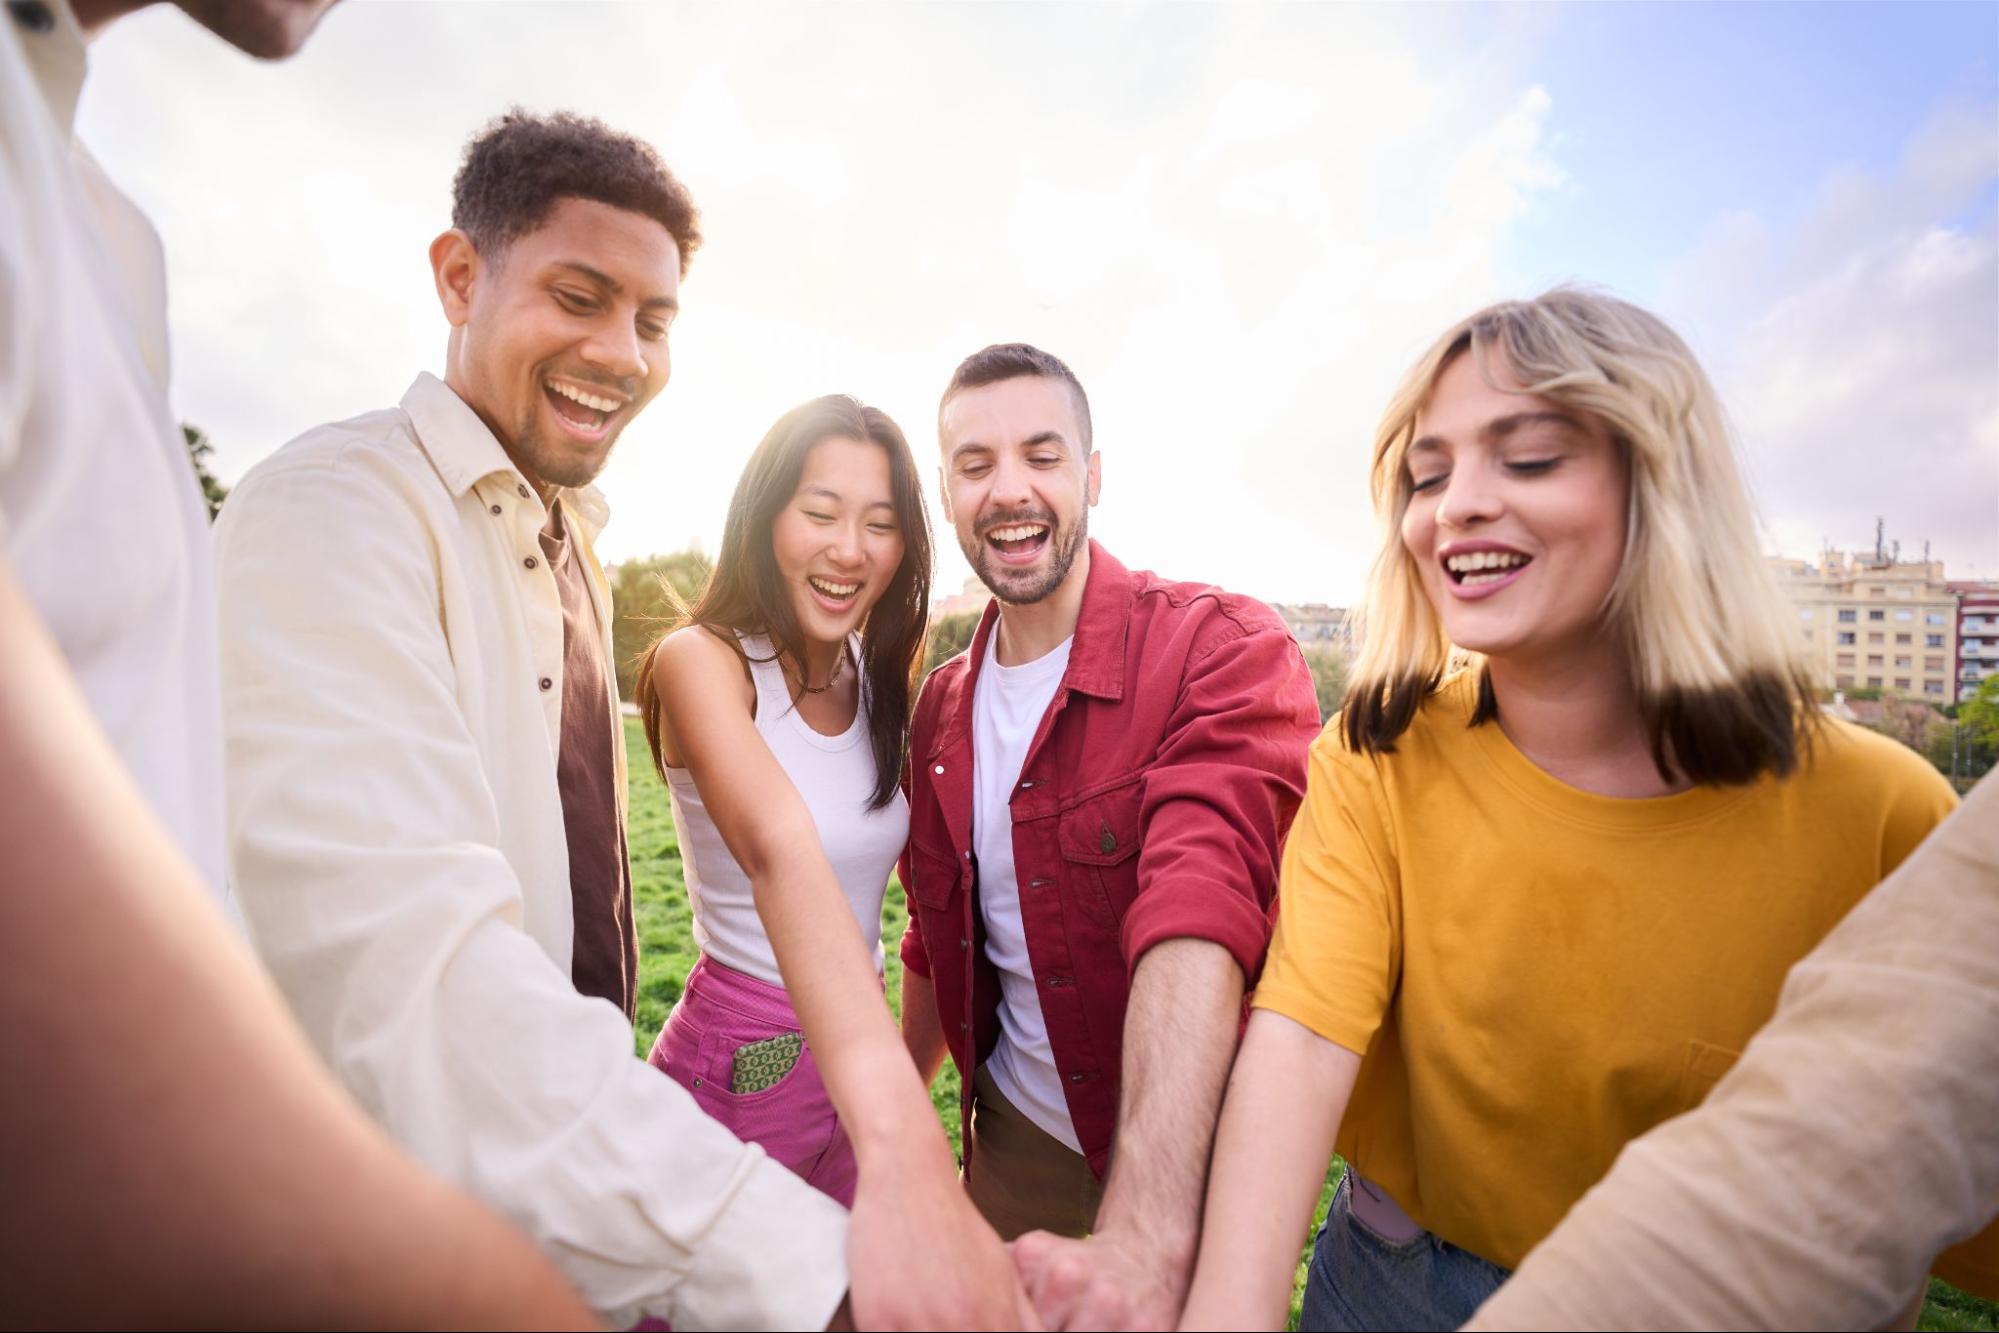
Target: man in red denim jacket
{"type": "Point", "coordinates": [1099, 791]}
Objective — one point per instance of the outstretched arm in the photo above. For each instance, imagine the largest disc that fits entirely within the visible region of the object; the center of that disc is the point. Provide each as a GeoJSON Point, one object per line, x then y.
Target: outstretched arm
{"type": "Point", "coordinates": [174, 1153]}
{"type": "Point", "coordinates": [919, 1255]}
{"type": "Point", "coordinates": [1285, 1101]}
{"type": "Point", "coordinates": [1217, 801]}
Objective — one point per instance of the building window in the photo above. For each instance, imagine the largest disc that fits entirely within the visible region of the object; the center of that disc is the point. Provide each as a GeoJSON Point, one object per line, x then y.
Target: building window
{"type": "Point", "coordinates": [1804, 613]}
{"type": "Point", "coordinates": [1901, 682]}
{"type": "Point", "coordinates": [1933, 617]}
{"type": "Point", "coordinates": [1933, 664]}
{"type": "Point", "coordinates": [1874, 659]}
{"type": "Point", "coordinates": [1844, 682]}
{"type": "Point", "coordinates": [1901, 638]}
{"type": "Point", "coordinates": [1933, 641]}
{"type": "Point", "coordinates": [1845, 637]}
{"type": "Point", "coordinates": [1877, 615]}
{"type": "Point", "coordinates": [1903, 663]}
{"type": "Point", "coordinates": [1932, 687]}
{"type": "Point", "coordinates": [1905, 615]}
{"type": "Point", "coordinates": [1848, 616]}
{"type": "Point", "coordinates": [1874, 682]}
{"type": "Point", "coordinates": [1845, 660]}
{"type": "Point", "coordinates": [1876, 636]}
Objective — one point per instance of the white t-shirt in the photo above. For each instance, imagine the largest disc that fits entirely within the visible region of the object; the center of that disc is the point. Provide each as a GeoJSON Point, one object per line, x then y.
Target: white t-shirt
{"type": "Point", "coordinates": [834, 776]}
{"type": "Point", "coordinates": [1007, 708]}
{"type": "Point", "coordinates": [100, 517]}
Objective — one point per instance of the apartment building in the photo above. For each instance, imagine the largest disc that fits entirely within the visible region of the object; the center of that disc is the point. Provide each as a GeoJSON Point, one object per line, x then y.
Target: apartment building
{"type": "Point", "coordinates": [1873, 620]}
{"type": "Point", "coordinates": [1977, 634]}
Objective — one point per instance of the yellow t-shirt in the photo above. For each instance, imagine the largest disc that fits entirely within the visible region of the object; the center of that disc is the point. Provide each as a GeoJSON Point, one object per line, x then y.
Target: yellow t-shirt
{"type": "Point", "coordinates": [1533, 974]}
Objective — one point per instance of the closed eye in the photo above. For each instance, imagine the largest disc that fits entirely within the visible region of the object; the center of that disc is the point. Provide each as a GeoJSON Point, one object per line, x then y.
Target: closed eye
{"type": "Point", "coordinates": [1418, 485]}
{"type": "Point", "coordinates": [1532, 467]}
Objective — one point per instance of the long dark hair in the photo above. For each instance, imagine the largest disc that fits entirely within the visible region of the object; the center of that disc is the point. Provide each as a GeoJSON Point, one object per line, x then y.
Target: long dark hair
{"type": "Point", "coordinates": [746, 594]}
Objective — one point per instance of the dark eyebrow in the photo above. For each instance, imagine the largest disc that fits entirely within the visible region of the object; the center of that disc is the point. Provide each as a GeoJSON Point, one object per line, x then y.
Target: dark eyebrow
{"type": "Point", "coordinates": [1044, 437]}
{"type": "Point", "coordinates": [1501, 427]}
{"type": "Point", "coordinates": [616, 288]}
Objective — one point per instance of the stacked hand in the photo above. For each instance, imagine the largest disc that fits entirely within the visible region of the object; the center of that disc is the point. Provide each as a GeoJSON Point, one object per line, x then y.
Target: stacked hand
{"type": "Point", "coordinates": [1110, 1281]}
{"type": "Point", "coordinates": [921, 1257]}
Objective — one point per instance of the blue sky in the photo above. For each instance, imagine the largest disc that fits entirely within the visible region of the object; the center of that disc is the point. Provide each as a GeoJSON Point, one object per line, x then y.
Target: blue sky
{"type": "Point", "coordinates": [1238, 222]}
{"type": "Point", "coordinates": [1670, 114]}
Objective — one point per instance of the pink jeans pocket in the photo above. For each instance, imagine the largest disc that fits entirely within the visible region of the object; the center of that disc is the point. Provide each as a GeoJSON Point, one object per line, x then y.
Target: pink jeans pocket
{"type": "Point", "coordinates": [793, 1119]}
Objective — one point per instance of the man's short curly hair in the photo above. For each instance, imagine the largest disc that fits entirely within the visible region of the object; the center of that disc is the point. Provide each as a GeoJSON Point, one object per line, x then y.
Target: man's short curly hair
{"type": "Point", "coordinates": [520, 165]}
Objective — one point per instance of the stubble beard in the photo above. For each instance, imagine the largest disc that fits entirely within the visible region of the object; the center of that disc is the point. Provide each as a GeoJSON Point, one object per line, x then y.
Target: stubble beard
{"type": "Point", "coordinates": [552, 467]}
{"type": "Point", "coordinates": [1025, 587]}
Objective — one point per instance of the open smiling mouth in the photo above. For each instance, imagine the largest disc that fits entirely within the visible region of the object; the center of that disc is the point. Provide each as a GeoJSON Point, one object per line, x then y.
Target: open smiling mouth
{"type": "Point", "coordinates": [1474, 569]}
{"type": "Point", "coordinates": [834, 592]}
{"type": "Point", "coordinates": [585, 412]}
{"type": "Point", "coordinates": [1017, 540]}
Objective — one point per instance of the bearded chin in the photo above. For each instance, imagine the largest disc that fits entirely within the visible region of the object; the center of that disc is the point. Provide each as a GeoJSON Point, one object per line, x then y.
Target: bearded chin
{"type": "Point", "coordinates": [552, 468]}
{"type": "Point", "coordinates": [1013, 589]}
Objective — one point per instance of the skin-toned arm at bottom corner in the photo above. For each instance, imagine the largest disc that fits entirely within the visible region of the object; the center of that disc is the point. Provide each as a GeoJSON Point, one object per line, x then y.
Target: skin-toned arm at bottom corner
{"type": "Point", "coordinates": [1179, 1037]}
{"type": "Point", "coordinates": [1285, 1101]}
{"type": "Point", "coordinates": [208, 1172]}
{"type": "Point", "coordinates": [918, 1254]}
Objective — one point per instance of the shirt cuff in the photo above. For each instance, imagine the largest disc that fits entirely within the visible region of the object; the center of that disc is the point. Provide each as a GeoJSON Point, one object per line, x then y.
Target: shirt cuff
{"type": "Point", "coordinates": [1195, 908]}
{"type": "Point", "coordinates": [775, 1258]}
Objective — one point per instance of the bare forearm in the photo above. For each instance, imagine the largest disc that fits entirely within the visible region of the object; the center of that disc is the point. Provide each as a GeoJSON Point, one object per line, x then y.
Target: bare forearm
{"type": "Point", "coordinates": [922, 1026]}
{"type": "Point", "coordinates": [1286, 1096]}
{"type": "Point", "coordinates": [836, 993]}
{"type": "Point", "coordinates": [1179, 1039]}
{"type": "Point", "coordinates": [206, 1171]}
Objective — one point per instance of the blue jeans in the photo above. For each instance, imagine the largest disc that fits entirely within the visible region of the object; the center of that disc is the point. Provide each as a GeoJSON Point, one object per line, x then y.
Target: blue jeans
{"type": "Point", "coordinates": [1360, 1281]}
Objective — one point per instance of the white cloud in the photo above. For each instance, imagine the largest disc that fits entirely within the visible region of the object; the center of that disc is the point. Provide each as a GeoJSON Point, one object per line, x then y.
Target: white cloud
{"type": "Point", "coordinates": [1858, 348]}
{"type": "Point", "coordinates": [1237, 223]}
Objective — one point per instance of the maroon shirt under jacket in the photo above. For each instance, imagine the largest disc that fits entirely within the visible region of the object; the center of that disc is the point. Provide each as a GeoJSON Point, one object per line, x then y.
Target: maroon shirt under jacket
{"type": "Point", "coordinates": [1152, 805]}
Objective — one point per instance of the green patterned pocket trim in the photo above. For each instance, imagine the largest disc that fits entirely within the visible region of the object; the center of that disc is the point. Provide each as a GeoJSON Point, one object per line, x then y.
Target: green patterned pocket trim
{"type": "Point", "coordinates": [760, 1064]}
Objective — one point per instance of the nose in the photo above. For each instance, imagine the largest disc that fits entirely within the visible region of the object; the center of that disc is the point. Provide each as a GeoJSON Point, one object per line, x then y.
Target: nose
{"type": "Point", "coordinates": [845, 548]}
{"type": "Point", "coordinates": [1469, 498]}
{"type": "Point", "coordinates": [1012, 486]}
{"type": "Point", "coordinates": [616, 349]}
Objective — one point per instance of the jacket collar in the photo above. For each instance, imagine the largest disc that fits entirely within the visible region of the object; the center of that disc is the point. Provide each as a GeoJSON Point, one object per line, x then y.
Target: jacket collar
{"type": "Point", "coordinates": [465, 452]}
{"type": "Point", "coordinates": [1096, 658]}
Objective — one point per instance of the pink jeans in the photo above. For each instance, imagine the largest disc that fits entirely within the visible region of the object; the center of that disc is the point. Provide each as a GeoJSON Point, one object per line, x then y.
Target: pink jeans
{"type": "Point", "coordinates": [793, 1120]}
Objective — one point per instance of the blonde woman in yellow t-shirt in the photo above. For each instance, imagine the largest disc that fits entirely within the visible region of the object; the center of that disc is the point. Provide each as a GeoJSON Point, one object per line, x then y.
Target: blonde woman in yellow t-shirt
{"type": "Point", "coordinates": [1533, 907]}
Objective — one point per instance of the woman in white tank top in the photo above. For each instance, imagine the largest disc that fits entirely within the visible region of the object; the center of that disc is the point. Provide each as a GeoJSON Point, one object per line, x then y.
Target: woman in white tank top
{"type": "Point", "coordinates": [778, 715]}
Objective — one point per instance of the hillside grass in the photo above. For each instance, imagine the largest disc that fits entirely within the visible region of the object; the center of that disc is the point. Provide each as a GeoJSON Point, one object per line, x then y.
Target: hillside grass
{"type": "Point", "coordinates": [667, 955]}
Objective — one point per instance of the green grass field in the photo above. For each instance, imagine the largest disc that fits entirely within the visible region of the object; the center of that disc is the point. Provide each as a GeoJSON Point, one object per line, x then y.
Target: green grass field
{"type": "Point", "coordinates": [667, 954]}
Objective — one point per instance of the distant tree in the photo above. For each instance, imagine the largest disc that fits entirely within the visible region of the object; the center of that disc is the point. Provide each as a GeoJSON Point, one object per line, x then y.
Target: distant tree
{"type": "Point", "coordinates": [199, 450]}
{"type": "Point", "coordinates": [645, 598]}
{"type": "Point", "coordinates": [949, 636]}
{"type": "Point", "coordinates": [1329, 677]}
{"type": "Point", "coordinates": [1979, 715]}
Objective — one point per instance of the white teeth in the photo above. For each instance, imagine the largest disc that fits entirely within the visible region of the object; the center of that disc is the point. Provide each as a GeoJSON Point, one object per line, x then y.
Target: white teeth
{"type": "Point", "coordinates": [1478, 560]}
{"type": "Point", "coordinates": [594, 402]}
{"type": "Point", "coordinates": [1015, 534]}
{"type": "Point", "coordinates": [834, 590]}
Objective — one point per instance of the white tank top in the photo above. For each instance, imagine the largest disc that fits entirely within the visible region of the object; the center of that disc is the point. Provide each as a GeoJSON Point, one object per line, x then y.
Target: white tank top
{"type": "Point", "coordinates": [835, 776]}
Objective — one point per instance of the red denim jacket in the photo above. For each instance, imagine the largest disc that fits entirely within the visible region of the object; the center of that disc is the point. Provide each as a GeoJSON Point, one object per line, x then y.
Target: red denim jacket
{"type": "Point", "coordinates": [1152, 805]}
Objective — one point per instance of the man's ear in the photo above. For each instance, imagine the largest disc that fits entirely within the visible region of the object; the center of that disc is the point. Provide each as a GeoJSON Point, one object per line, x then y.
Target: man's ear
{"type": "Point", "coordinates": [455, 267]}
{"type": "Point", "coordinates": [1094, 472]}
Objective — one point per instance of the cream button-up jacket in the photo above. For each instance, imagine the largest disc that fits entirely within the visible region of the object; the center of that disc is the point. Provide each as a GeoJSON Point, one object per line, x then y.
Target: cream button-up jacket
{"type": "Point", "coordinates": [392, 690]}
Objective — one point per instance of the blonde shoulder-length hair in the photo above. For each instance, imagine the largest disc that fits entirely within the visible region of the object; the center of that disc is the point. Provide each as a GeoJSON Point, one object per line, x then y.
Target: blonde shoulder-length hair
{"type": "Point", "coordinates": [1724, 694]}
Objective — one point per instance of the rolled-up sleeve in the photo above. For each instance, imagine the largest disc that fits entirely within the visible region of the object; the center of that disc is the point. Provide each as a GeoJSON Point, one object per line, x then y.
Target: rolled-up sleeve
{"type": "Point", "coordinates": [364, 845]}
{"type": "Point", "coordinates": [1220, 796]}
